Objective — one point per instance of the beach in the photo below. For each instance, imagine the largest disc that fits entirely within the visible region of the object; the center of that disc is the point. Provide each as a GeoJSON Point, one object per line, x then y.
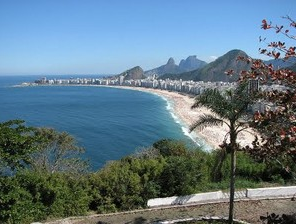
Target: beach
{"type": "Point", "coordinates": [181, 105]}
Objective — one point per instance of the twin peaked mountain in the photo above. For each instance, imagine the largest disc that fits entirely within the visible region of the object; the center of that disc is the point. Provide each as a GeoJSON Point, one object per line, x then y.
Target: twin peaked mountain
{"type": "Point", "coordinates": [197, 70]}
{"type": "Point", "coordinates": [191, 63]}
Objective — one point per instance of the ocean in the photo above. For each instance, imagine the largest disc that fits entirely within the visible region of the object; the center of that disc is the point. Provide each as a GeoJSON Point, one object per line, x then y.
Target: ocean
{"type": "Point", "coordinates": [109, 123]}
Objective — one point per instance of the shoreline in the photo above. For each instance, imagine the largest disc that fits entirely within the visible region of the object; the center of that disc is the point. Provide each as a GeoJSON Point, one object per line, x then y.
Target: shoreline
{"type": "Point", "coordinates": [178, 105]}
{"type": "Point", "coordinates": [211, 137]}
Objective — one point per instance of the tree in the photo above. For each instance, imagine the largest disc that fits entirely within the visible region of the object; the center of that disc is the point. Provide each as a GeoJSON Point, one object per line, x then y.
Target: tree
{"type": "Point", "coordinates": [31, 196]}
{"type": "Point", "coordinates": [57, 152]}
{"type": "Point", "coordinates": [181, 175]}
{"type": "Point", "coordinates": [17, 143]}
{"type": "Point", "coordinates": [278, 126]}
{"type": "Point", "coordinates": [168, 147]}
{"type": "Point", "coordinates": [227, 109]}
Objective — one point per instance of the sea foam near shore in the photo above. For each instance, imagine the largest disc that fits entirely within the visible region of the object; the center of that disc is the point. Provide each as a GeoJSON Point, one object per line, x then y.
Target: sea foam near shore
{"type": "Point", "coordinates": [171, 107]}
{"type": "Point", "coordinates": [179, 106]}
{"type": "Point", "coordinates": [184, 127]}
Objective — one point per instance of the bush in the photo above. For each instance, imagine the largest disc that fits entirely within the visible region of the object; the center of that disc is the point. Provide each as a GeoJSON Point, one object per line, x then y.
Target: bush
{"type": "Point", "coordinates": [126, 184]}
{"type": "Point", "coordinates": [17, 204]}
{"type": "Point", "coordinates": [168, 147]}
{"type": "Point", "coordinates": [30, 196]}
{"type": "Point", "coordinates": [181, 176]}
{"type": "Point", "coordinates": [249, 169]}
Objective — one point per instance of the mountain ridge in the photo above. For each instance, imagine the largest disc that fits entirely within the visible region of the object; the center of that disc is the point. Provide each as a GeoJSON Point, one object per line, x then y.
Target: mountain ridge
{"type": "Point", "coordinates": [133, 73]}
{"type": "Point", "coordinates": [188, 64]}
{"type": "Point", "coordinates": [215, 71]}
{"type": "Point", "coordinates": [208, 72]}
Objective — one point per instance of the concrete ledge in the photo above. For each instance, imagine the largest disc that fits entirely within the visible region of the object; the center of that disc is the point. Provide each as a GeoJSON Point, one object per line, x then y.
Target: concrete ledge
{"type": "Point", "coordinates": [161, 201]}
{"type": "Point", "coordinates": [271, 192]}
{"type": "Point", "coordinates": [188, 199]}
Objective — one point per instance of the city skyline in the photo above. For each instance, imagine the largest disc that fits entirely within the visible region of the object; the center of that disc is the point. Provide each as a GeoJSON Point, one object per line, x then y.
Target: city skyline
{"type": "Point", "coordinates": [100, 37]}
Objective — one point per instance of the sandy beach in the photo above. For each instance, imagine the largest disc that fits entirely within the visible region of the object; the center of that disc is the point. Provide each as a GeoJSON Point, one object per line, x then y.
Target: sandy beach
{"type": "Point", "coordinates": [213, 136]}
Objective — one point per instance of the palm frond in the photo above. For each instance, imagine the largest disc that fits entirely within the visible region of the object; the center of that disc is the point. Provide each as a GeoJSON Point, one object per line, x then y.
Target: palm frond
{"type": "Point", "coordinates": [206, 120]}
{"type": "Point", "coordinates": [214, 101]}
{"type": "Point", "coordinates": [230, 104]}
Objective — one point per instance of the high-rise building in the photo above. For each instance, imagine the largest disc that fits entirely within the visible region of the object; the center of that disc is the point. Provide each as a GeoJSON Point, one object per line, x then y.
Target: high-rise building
{"type": "Point", "coordinates": [253, 85]}
{"type": "Point", "coordinates": [121, 79]}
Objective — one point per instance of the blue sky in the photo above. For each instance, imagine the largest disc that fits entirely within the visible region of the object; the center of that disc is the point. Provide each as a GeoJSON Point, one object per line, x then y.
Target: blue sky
{"type": "Point", "coordinates": [110, 36]}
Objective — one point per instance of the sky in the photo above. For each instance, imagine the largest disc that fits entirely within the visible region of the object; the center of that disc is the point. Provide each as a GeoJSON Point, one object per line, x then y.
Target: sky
{"type": "Point", "coordinates": [39, 37]}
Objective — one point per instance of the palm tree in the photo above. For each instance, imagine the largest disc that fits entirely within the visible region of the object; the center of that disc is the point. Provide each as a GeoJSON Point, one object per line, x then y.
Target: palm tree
{"type": "Point", "coordinates": [227, 108]}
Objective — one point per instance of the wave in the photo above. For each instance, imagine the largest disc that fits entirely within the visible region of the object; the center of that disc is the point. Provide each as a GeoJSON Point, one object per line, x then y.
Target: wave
{"type": "Point", "coordinates": [185, 129]}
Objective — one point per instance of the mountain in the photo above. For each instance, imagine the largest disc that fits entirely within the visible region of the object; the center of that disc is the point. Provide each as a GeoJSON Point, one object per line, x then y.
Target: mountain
{"type": "Point", "coordinates": [292, 67]}
{"type": "Point", "coordinates": [133, 73]}
{"type": "Point", "coordinates": [280, 63]}
{"type": "Point", "coordinates": [169, 67]}
{"type": "Point", "coordinates": [191, 63]}
{"type": "Point", "coordinates": [215, 71]}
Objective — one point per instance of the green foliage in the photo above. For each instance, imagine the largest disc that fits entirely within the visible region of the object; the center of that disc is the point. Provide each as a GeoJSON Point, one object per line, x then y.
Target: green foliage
{"type": "Point", "coordinates": [16, 144]}
{"type": "Point", "coordinates": [17, 204]}
{"type": "Point", "coordinates": [168, 147]}
{"type": "Point", "coordinates": [250, 169]}
{"type": "Point", "coordinates": [130, 182]}
{"type": "Point", "coordinates": [126, 184]}
{"type": "Point", "coordinates": [32, 196]}
{"type": "Point", "coordinates": [51, 185]}
{"type": "Point", "coordinates": [181, 176]}
{"type": "Point", "coordinates": [226, 108]}
{"type": "Point", "coordinates": [246, 167]}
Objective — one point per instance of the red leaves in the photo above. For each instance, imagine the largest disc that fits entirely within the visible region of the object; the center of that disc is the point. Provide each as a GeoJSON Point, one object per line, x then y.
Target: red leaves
{"type": "Point", "coordinates": [276, 120]}
{"type": "Point", "coordinates": [260, 70]}
{"type": "Point", "coordinates": [262, 51]}
{"type": "Point", "coordinates": [279, 47]}
{"type": "Point", "coordinates": [264, 25]}
{"type": "Point", "coordinates": [229, 72]}
{"type": "Point", "coordinates": [276, 55]}
{"type": "Point", "coordinates": [282, 134]}
{"type": "Point", "coordinates": [258, 117]}
{"type": "Point", "coordinates": [291, 51]}
{"type": "Point", "coordinates": [279, 29]}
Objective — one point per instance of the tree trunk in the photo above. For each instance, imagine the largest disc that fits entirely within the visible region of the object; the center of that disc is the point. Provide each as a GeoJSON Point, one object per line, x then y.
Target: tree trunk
{"type": "Point", "coordinates": [232, 173]}
{"type": "Point", "coordinates": [232, 186]}
{"type": "Point", "coordinates": [219, 160]}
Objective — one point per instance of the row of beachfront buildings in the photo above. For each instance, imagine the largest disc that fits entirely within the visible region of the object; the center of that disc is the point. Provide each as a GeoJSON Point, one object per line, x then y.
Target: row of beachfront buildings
{"type": "Point", "coordinates": [186, 87]}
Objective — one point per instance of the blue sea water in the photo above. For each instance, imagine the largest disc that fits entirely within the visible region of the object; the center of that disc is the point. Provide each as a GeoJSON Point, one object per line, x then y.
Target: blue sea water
{"type": "Point", "coordinates": [108, 122]}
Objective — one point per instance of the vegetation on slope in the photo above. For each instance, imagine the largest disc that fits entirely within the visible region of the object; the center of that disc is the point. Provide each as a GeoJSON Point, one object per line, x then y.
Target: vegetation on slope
{"type": "Point", "coordinates": [165, 169]}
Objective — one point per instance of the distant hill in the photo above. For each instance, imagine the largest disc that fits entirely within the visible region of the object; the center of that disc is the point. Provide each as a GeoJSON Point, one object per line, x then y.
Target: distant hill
{"type": "Point", "coordinates": [292, 67]}
{"type": "Point", "coordinates": [215, 71]}
{"type": "Point", "coordinates": [280, 63]}
{"type": "Point", "coordinates": [169, 67]}
{"type": "Point", "coordinates": [133, 73]}
{"type": "Point", "coordinates": [189, 64]}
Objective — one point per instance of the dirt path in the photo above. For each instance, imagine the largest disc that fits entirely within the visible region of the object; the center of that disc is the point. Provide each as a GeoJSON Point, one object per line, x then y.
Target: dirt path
{"type": "Point", "coordinates": [247, 210]}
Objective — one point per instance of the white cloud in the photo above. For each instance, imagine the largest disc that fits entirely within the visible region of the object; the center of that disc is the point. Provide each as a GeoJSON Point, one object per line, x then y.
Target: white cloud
{"type": "Point", "coordinates": [212, 58]}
